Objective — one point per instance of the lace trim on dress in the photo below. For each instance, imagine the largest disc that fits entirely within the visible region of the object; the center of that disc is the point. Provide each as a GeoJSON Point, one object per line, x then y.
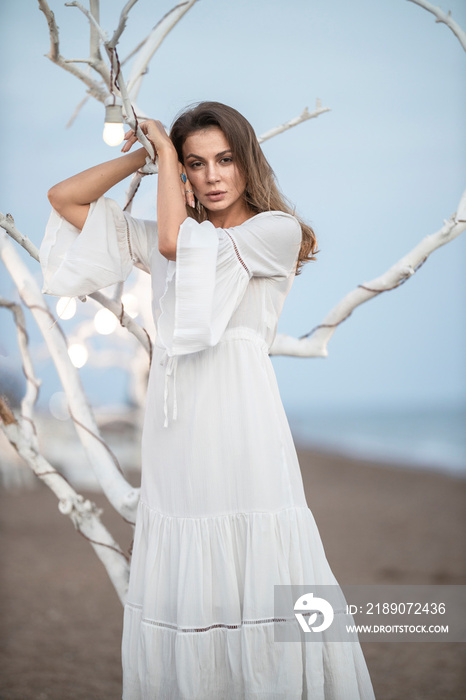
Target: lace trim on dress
{"type": "Point", "coordinates": [220, 625]}
{"type": "Point", "coordinates": [237, 253]}
{"type": "Point", "coordinates": [128, 239]}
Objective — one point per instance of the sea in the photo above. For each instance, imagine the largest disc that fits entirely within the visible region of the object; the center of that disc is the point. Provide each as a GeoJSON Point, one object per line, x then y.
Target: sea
{"type": "Point", "coordinates": [417, 438]}
{"type": "Point", "coordinates": [432, 439]}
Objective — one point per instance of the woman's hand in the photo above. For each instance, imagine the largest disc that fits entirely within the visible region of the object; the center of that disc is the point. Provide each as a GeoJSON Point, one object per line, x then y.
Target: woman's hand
{"type": "Point", "coordinates": [162, 143]}
{"type": "Point", "coordinates": [155, 133]}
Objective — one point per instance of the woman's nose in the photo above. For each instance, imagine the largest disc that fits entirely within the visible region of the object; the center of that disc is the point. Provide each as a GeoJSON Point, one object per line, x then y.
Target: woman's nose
{"type": "Point", "coordinates": [212, 173]}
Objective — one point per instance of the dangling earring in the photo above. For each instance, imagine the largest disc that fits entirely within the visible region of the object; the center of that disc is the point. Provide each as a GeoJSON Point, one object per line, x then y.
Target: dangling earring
{"type": "Point", "coordinates": [199, 209]}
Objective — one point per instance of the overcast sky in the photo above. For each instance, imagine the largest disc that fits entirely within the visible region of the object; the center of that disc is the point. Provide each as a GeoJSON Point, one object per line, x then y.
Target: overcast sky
{"type": "Point", "coordinates": [374, 176]}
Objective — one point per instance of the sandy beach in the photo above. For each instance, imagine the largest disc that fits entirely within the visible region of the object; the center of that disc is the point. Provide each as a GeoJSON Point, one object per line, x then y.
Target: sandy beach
{"type": "Point", "coordinates": [61, 620]}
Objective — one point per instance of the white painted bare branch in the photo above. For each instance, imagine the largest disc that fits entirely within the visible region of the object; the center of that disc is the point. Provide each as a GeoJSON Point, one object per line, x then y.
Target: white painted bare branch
{"type": "Point", "coordinates": [131, 191]}
{"type": "Point", "coordinates": [140, 113]}
{"type": "Point", "coordinates": [93, 21]}
{"type": "Point", "coordinates": [304, 116]}
{"type": "Point", "coordinates": [122, 23]}
{"type": "Point", "coordinates": [148, 169]}
{"type": "Point", "coordinates": [84, 514]}
{"type": "Point", "coordinates": [444, 18]}
{"type": "Point", "coordinates": [94, 49]}
{"type": "Point", "coordinates": [125, 320]}
{"type": "Point", "coordinates": [96, 90]}
{"type": "Point", "coordinates": [77, 110]}
{"type": "Point", "coordinates": [95, 60]}
{"type": "Point", "coordinates": [134, 51]}
{"type": "Point", "coordinates": [7, 223]}
{"type": "Point", "coordinates": [128, 110]}
{"type": "Point", "coordinates": [32, 382]}
{"type": "Point", "coordinates": [152, 43]}
{"type": "Point", "coordinates": [314, 344]}
{"type": "Point", "coordinates": [99, 34]}
{"type": "Point", "coordinates": [119, 492]}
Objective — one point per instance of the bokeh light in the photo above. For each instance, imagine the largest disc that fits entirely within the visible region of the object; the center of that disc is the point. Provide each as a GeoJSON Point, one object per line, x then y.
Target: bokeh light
{"type": "Point", "coordinates": [131, 304]}
{"type": "Point", "coordinates": [105, 322]}
{"type": "Point", "coordinates": [58, 406]}
{"type": "Point", "coordinates": [66, 308]}
{"type": "Point", "coordinates": [78, 354]}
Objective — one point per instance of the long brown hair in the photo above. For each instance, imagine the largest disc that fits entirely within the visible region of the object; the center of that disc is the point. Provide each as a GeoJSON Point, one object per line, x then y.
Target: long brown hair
{"type": "Point", "coordinates": [262, 193]}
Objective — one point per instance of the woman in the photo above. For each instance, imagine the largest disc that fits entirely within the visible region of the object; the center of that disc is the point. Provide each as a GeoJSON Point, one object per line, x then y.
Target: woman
{"type": "Point", "coordinates": [222, 516]}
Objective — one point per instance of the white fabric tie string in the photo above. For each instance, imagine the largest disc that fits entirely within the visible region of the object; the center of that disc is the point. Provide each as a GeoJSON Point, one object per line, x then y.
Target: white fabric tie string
{"type": "Point", "coordinates": [171, 363]}
{"type": "Point", "coordinates": [170, 370]}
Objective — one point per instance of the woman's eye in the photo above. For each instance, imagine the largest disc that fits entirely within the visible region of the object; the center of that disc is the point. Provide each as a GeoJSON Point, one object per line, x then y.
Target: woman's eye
{"type": "Point", "coordinates": [227, 159]}
{"type": "Point", "coordinates": [195, 164]}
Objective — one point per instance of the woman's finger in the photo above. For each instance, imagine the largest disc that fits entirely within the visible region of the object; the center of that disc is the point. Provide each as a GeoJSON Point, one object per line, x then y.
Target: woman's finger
{"type": "Point", "coordinates": [186, 189]}
{"type": "Point", "coordinates": [130, 141]}
{"type": "Point", "coordinates": [190, 194]}
{"type": "Point", "coordinates": [182, 181]}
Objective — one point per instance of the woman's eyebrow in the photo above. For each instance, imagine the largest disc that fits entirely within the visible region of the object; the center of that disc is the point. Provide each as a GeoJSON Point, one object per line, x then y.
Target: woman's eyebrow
{"type": "Point", "coordinates": [222, 153]}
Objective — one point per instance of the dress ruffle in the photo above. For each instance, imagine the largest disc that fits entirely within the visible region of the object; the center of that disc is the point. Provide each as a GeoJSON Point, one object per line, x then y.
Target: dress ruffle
{"type": "Point", "coordinates": [77, 263]}
{"type": "Point", "coordinates": [199, 617]}
{"type": "Point", "coordinates": [204, 286]}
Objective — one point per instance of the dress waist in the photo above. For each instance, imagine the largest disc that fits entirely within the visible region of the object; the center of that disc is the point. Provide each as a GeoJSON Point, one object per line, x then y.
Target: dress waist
{"type": "Point", "coordinates": [245, 333]}
{"type": "Point", "coordinates": [171, 361]}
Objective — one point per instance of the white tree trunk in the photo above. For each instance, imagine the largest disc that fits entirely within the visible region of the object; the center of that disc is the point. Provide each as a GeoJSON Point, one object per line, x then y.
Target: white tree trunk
{"type": "Point", "coordinates": [119, 492]}
{"type": "Point", "coordinates": [83, 513]}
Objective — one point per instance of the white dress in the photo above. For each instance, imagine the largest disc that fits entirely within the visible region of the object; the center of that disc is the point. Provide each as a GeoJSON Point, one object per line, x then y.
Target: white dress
{"type": "Point", "coordinates": [223, 515]}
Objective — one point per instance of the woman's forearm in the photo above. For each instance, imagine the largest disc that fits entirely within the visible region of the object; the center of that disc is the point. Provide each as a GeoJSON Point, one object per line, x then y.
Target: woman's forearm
{"type": "Point", "coordinates": [72, 197]}
{"type": "Point", "coordinates": [171, 205]}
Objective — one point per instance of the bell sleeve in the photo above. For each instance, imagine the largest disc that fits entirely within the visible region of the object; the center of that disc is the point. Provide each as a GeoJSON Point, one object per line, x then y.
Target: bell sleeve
{"type": "Point", "coordinates": [213, 267]}
{"type": "Point", "coordinates": [268, 244]}
{"type": "Point", "coordinates": [77, 263]}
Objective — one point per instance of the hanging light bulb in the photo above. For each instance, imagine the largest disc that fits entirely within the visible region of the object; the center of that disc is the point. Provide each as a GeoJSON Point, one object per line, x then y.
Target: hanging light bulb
{"type": "Point", "coordinates": [113, 127]}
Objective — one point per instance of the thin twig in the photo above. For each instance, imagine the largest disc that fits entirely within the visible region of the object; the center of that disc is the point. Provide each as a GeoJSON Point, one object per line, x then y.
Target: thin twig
{"type": "Point", "coordinates": [122, 23]}
{"type": "Point", "coordinates": [32, 382]}
{"type": "Point", "coordinates": [304, 116]}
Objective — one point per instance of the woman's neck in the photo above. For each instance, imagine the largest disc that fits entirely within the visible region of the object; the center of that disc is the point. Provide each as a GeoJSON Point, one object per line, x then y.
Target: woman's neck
{"type": "Point", "coordinates": [229, 218]}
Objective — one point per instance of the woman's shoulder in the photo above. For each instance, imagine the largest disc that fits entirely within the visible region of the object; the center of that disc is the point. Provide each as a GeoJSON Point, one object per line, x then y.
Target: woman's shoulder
{"type": "Point", "coordinates": [272, 217]}
{"type": "Point", "coordinates": [275, 214]}
{"type": "Point", "coordinates": [277, 225]}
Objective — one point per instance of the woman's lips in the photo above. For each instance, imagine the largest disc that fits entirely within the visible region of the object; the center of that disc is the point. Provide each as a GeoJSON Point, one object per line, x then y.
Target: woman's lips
{"type": "Point", "coordinates": [215, 196]}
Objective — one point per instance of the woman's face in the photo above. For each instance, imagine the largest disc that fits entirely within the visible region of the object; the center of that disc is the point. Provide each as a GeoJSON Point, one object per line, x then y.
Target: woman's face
{"type": "Point", "coordinates": [216, 180]}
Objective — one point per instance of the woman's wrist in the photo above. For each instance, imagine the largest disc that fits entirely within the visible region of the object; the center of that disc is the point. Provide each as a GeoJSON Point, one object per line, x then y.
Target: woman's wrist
{"type": "Point", "coordinates": [138, 157]}
{"type": "Point", "coordinates": [167, 150]}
